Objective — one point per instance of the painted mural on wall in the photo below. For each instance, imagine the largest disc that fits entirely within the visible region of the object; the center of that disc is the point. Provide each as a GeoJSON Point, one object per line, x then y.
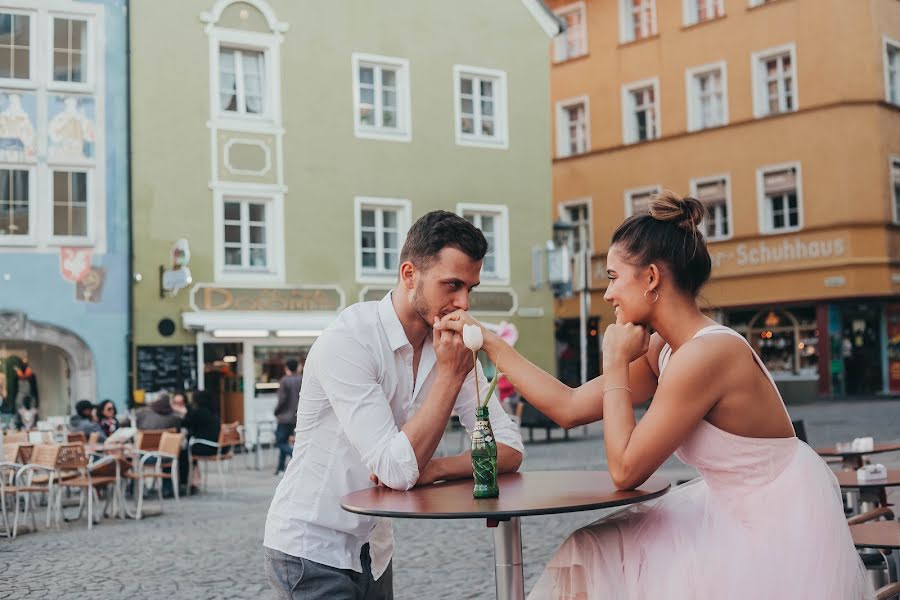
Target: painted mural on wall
{"type": "Point", "coordinates": [18, 115]}
{"type": "Point", "coordinates": [71, 128]}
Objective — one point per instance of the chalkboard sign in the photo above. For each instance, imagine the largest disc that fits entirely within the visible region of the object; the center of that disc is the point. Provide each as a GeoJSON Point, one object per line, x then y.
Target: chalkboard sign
{"type": "Point", "coordinates": [166, 368]}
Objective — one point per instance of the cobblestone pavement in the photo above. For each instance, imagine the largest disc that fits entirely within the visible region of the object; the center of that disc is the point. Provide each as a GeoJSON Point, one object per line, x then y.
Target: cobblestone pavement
{"type": "Point", "coordinates": [209, 547]}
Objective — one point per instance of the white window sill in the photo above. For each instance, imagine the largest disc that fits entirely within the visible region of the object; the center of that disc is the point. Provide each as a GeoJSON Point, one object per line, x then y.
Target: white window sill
{"type": "Point", "coordinates": [482, 142]}
{"type": "Point", "coordinates": [386, 135]}
{"type": "Point", "coordinates": [71, 241]}
{"type": "Point", "coordinates": [763, 115]}
{"type": "Point", "coordinates": [719, 238]}
{"type": "Point", "coordinates": [782, 230]}
{"type": "Point", "coordinates": [568, 58]}
{"type": "Point", "coordinates": [24, 242]}
{"type": "Point", "coordinates": [236, 276]}
{"type": "Point", "coordinates": [65, 86]}
{"type": "Point", "coordinates": [377, 278]}
{"type": "Point", "coordinates": [19, 84]}
{"type": "Point", "coordinates": [489, 281]}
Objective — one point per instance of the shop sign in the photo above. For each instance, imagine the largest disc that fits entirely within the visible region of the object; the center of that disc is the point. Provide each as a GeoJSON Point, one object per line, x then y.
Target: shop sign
{"type": "Point", "coordinates": [788, 250]}
{"type": "Point", "coordinates": [208, 297]}
{"type": "Point", "coordinates": [893, 347]}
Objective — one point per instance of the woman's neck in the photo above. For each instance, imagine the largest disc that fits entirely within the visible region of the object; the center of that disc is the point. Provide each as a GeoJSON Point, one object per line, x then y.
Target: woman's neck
{"type": "Point", "coordinates": [678, 320]}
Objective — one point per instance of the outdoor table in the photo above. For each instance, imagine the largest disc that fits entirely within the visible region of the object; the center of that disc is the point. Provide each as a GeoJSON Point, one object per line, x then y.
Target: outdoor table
{"type": "Point", "coordinates": [884, 535]}
{"type": "Point", "coordinates": [875, 490]}
{"type": "Point", "coordinates": [521, 495]}
{"type": "Point", "coordinates": [853, 459]}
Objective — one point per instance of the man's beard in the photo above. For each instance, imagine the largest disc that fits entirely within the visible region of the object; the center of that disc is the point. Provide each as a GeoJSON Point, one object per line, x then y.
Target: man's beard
{"type": "Point", "coordinates": [420, 305]}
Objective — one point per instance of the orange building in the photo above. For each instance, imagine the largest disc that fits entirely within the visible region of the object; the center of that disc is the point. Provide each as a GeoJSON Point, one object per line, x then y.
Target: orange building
{"type": "Point", "coordinates": [783, 117]}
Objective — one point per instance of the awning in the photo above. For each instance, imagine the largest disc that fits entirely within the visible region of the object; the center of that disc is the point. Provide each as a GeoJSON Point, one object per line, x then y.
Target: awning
{"type": "Point", "coordinates": [282, 324]}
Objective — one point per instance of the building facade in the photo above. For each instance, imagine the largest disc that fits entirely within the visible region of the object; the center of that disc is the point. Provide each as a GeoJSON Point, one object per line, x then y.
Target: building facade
{"type": "Point", "coordinates": [275, 188]}
{"type": "Point", "coordinates": [783, 118]}
{"type": "Point", "coordinates": [63, 204]}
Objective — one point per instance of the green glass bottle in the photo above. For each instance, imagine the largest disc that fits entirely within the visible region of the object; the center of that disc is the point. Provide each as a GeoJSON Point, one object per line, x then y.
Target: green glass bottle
{"type": "Point", "coordinates": [484, 456]}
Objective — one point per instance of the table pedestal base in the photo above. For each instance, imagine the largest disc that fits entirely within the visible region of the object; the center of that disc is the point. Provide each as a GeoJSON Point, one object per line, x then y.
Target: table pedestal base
{"type": "Point", "coordinates": [508, 560]}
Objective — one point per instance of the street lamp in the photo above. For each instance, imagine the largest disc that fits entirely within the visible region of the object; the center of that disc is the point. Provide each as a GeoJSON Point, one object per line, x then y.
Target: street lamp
{"type": "Point", "coordinates": [563, 237]}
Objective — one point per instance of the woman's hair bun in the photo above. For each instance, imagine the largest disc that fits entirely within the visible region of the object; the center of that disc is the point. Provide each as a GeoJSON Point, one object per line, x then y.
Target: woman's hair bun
{"type": "Point", "coordinates": [685, 212]}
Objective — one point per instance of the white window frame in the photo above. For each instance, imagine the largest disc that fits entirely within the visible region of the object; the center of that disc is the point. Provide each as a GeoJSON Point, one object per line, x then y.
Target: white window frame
{"type": "Point", "coordinates": [691, 8]}
{"type": "Point", "coordinates": [626, 22]}
{"type": "Point", "coordinates": [889, 42]}
{"type": "Point", "coordinates": [274, 236]}
{"type": "Point", "coordinates": [764, 211]}
{"type": "Point", "coordinates": [32, 80]}
{"type": "Point", "coordinates": [760, 91]}
{"type": "Point", "coordinates": [501, 113]}
{"type": "Point", "coordinates": [695, 112]}
{"type": "Point", "coordinates": [403, 131]}
{"type": "Point", "coordinates": [895, 196]}
{"type": "Point", "coordinates": [500, 212]}
{"type": "Point", "coordinates": [695, 187]}
{"type": "Point", "coordinates": [629, 128]}
{"type": "Point", "coordinates": [91, 57]}
{"type": "Point", "coordinates": [562, 126]}
{"type": "Point", "coordinates": [631, 193]}
{"type": "Point", "coordinates": [33, 236]}
{"type": "Point", "coordinates": [561, 41]}
{"type": "Point", "coordinates": [404, 211]}
{"type": "Point", "coordinates": [588, 203]}
{"type": "Point", "coordinates": [266, 43]}
{"type": "Point", "coordinates": [90, 196]}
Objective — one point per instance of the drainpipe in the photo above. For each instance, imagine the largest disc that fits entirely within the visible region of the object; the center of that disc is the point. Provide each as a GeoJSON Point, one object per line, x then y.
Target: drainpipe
{"type": "Point", "coordinates": [129, 339]}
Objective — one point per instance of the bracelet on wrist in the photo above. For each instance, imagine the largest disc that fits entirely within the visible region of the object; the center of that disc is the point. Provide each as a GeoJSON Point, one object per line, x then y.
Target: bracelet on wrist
{"type": "Point", "coordinates": [615, 387]}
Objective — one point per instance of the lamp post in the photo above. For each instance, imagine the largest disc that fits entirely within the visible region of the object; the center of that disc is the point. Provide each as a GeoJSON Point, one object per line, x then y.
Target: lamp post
{"type": "Point", "coordinates": [563, 234]}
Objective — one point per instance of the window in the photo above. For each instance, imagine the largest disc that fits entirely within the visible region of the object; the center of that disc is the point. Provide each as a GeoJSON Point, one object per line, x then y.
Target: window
{"type": "Point", "coordinates": [892, 71]}
{"type": "Point", "coordinates": [713, 193]}
{"type": "Point", "coordinates": [895, 187]}
{"type": "Point", "coordinates": [480, 107]}
{"type": "Point", "coordinates": [707, 97]}
{"type": "Point", "coordinates": [572, 127]}
{"type": "Point", "coordinates": [697, 11]}
{"type": "Point", "coordinates": [381, 226]}
{"type": "Point", "coordinates": [637, 202]}
{"type": "Point", "coordinates": [245, 234]}
{"type": "Point", "coordinates": [573, 41]}
{"type": "Point", "coordinates": [781, 209]}
{"type": "Point", "coordinates": [15, 46]}
{"type": "Point", "coordinates": [578, 214]}
{"type": "Point", "coordinates": [640, 103]}
{"type": "Point", "coordinates": [15, 203]}
{"type": "Point", "coordinates": [242, 81]}
{"type": "Point", "coordinates": [381, 97]}
{"type": "Point", "coordinates": [492, 221]}
{"type": "Point", "coordinates": [775, 81]}
{"type": "Point", "coordinates": [70, 204]}
{"type": "Point", "coordinates": [637, 19]}
{"type": "Point", "coordinates": [70, 50]}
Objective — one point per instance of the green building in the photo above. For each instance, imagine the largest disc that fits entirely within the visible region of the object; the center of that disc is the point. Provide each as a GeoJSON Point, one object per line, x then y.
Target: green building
{"type": "Point", "coordinates": [281, 150]}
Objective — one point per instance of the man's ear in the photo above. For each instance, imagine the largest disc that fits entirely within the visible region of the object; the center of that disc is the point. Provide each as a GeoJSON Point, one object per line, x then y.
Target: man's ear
{"type": "Point", "coordinates": [407, 275]}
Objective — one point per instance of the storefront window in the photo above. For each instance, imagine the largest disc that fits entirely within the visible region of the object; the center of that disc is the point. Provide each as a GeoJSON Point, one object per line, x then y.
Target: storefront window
{"type": "Point", "coordinates": [269, 365]}
{"type": "Point", "coordinates": [787, 340]}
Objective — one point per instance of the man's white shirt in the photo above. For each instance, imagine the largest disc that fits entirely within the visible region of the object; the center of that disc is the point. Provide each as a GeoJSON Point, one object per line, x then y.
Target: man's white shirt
{"type": "Point", "coordinates": [357, 393]}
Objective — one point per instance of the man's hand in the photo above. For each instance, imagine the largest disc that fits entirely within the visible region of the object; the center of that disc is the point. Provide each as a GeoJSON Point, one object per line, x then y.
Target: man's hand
{"type": "Point", "coordinates": [454, 360]}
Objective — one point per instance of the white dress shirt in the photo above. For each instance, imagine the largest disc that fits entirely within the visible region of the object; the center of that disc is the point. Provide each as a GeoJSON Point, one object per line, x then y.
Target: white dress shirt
{"type": "Point", "coordinates": [357, 393]}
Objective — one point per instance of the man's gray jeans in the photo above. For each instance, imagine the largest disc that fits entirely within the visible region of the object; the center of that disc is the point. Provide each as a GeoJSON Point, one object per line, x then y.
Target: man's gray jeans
{"type": "Point", "coordinates": [295, 578]}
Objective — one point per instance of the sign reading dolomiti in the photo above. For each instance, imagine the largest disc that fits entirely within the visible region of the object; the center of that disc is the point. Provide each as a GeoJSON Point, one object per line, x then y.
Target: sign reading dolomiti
{"type": "Point", "coordinates": [789, 250]}
{"type": "Point", "coordinates": [209, 297]}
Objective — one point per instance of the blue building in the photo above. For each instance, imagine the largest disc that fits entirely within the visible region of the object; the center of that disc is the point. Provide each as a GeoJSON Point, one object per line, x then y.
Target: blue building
{"type": "Point", "coordinates": [64, 235]}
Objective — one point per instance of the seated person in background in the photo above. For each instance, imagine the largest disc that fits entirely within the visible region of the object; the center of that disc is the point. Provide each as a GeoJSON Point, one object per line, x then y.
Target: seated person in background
{"type": "Point", "coordinates": [106, 417]}
{"type": "Point", "coordinates": [27, 414]}
{"type": "Point", "coordinates": [179, 403]}
{"type": "Point", "coordinates": [202, 422]}
{"type": "Point", "coordinates": [85, 421]}
{"type": "Point", "coordinates": [159, 415]}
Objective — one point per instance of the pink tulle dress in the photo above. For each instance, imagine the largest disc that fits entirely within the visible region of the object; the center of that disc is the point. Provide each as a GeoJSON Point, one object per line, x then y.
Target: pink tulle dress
{"type": "Point", "coordinates": [764, 521]}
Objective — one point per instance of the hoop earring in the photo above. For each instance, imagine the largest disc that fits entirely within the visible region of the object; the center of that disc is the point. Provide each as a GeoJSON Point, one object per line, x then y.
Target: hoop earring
{"type": "Point", "coordinates": [655, 298]}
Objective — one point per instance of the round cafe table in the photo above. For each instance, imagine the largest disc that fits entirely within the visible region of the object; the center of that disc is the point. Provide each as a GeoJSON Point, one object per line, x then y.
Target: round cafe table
{"type": "Point", "coordinates": [521, 495]}
{"type": "Point", "coordinates": [873, 493]}
{"type": "Point", "coordinates": [853, 459]}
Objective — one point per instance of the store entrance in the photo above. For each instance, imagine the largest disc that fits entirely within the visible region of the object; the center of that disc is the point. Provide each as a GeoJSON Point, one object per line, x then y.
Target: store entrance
{"type": "Point", "coordinates": [861, 348]}
{"type": "Point", "coordinates": [222, 378]}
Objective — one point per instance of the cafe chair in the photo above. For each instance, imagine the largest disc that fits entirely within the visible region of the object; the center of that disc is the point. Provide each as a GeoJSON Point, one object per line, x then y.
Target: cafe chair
{"type": "Point", "coordinates": [229, 437]}
{"type": "Point", "coordinates": [39, 476]}
{"type": "Point", "coordinates": [157, 465]}
{"type": "Point", "coordinates": [102, 473]}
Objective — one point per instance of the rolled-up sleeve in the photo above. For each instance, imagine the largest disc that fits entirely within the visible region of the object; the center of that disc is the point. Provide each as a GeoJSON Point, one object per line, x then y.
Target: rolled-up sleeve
{"type": "Point", "coordinates": [506, 432]}
{"type": "Point", "coordinates": [348, 374]}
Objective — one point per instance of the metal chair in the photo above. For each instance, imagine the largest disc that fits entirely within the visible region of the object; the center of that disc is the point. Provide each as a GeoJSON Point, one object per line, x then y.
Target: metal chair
{"type": "Point", "coordinates": [152, 464]}
{"type": "Point", "coordinates": [229, 437]}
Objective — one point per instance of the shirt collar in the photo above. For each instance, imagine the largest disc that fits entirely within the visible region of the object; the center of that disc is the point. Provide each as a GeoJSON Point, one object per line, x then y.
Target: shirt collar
{"type": "Point", "coordinates": [391, 323]}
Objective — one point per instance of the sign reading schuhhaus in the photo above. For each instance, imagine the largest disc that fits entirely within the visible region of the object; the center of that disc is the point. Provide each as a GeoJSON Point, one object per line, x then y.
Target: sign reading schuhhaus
{"type": "Point", "coordinates": [210, 297]}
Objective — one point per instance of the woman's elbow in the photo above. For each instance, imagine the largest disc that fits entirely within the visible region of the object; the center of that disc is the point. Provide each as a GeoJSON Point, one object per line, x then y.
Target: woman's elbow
{"type": "Point", "coordinates": [625, 478]}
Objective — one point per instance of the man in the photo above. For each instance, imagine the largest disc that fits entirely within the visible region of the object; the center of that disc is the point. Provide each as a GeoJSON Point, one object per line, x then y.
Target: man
{"type": "Point", "coordinates": [286, 411]}
{"type": "Point", "coordinates": [379, 386]}
{"type": "Point", "coordinates": [85, 421]}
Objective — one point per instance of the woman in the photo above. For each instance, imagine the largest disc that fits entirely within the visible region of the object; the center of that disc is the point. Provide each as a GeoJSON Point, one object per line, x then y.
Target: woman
{"type": "Point", "coordinates": [764, 519]}
{"type": "Point", "coordinates": [106, 417]}
{"type": "Point", "coordinates": [201, 422]}
{"type": "Point", "coordinates": [158, 415]}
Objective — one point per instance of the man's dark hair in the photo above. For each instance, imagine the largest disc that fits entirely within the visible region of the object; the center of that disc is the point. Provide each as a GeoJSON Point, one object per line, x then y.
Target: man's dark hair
{"type": "Point", "coordinates": [437, 230]}
{"type": "Point", "coordinates": [84, 406]}
{"type": "Point", "coordinates": [291, 364]}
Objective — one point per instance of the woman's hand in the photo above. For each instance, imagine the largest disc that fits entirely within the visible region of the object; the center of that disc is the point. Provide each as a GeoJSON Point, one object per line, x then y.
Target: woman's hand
{"type": "Point", "coordinates": [624, 343]}
{"type": "Point", "coordinates": [457, 319]}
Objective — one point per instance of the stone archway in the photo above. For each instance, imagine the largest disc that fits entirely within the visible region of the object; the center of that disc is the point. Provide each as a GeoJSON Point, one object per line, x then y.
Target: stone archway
{"type": "Point", "coordinates": [17, 327]}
